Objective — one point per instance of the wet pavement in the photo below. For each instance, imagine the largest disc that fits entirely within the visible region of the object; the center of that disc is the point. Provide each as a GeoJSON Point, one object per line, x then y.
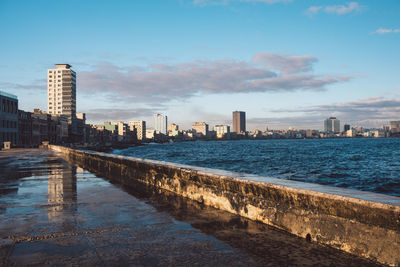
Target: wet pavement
{"type": "Point", "coordinates": [52, 212]}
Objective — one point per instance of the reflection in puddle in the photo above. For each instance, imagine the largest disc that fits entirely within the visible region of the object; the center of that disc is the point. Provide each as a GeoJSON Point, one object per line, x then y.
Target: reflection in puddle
{"type": "Point", "coordinates": [62, 196]}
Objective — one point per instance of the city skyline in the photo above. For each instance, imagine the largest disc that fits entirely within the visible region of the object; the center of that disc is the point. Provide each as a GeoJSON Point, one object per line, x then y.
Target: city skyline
{"type": "Point", "coordinates": [287, 63]}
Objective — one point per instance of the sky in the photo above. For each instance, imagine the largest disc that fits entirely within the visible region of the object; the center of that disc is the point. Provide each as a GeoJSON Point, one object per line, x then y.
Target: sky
{"type": "Point", "coordinates": [286, 63]}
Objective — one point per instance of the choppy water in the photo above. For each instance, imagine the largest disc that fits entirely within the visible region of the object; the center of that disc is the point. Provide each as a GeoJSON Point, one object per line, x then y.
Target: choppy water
{"type": "Point", "coordinates": [363, 164]}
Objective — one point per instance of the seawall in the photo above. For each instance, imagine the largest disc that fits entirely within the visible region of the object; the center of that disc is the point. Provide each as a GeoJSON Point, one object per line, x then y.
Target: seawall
{"type": "Point", "coordinates": [361, 223]}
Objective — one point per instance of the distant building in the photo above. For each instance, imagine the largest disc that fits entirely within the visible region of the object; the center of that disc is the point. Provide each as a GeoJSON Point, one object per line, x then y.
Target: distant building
{"type": "Point", "coordinates": [309, 134]}
{"type": "Point", "coordinates": [139, 127]}
{"type": "Point", "coordinates": [150, 134]}
{"type": "Point", "coordinates": [173, 127]}
{"type": "Point", "coordinates": [160, 123]}
{"type": "Point", "coordinates": [8, 118]}
{"type": "Point", "coordinates": [25, 128]}
{"type": "Point", "coordinates": [109, 126]}
{"type": "Point", "coordinates": [239, 121]}
{"type": "Point", "coordinates": [123, 131]}
{"type": "Point", "coordinates": [395, 127]}
{"type": "Point", "coordinates": [351, 133]}
{"type": "Point", "coordinates": [61, 91]}
{"type": "Point", "coordinates": [222, 131]}
{"type": "Point", "coordinates": [346, 127]}
{"type": "Point", "coordinates": [332, 125]}
{"type": "Point", "coordinates": [201, 128]}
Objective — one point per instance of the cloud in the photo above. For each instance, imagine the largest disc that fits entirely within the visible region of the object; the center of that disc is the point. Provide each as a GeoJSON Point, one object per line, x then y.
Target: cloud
{"type": "Point", "coordinates": [284, 63]}
{"type": "Point", "coordinates": [37, 84]}
{"type": "Point", "coordinates": [368, 112]}
{"type": "Point", "coordinates": [163, 83]}
{"type": "Point", "coordinates": [349, 7]}
{"type": "Point", "coordinates": [313, 10]}
{"type": "Point", "coordinates": [386, 31]}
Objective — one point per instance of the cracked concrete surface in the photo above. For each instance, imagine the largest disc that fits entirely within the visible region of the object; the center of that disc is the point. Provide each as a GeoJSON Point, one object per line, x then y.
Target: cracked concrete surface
{"type": "Point", "coordinates": [54, 213]}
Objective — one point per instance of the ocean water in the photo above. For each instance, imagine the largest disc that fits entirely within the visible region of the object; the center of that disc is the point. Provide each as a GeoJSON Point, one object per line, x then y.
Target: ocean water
{"type": "Point", "coordinates": [362, 164]}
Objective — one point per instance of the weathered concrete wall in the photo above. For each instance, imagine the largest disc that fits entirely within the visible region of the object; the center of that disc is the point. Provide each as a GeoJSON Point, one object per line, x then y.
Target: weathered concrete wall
{"type": "Point", "coordinates": [362, 223]}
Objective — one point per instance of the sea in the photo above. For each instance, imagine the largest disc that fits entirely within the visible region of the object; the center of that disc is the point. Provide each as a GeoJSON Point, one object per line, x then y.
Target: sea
{"type": "Point", "coordinates": [367, 164]}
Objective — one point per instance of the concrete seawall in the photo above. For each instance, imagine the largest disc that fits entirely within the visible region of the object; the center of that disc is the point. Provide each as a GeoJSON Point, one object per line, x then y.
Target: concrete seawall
{"type": "Point", "coordinates": [361, 223]}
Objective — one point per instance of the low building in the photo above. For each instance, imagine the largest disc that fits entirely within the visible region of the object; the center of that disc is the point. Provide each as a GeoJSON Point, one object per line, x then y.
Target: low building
{"type": "Point", "coordinates": [150, 134]}
{"type": "Point", "coordinates": [173, 127]}
{"type": "Point", "coordinates": [395, 127]}
{"type": "Point", "coordinates": [222, 131]}
{"type": "Point", "coordinates": [25, 128]}
{"type": "Point", "coordinates": [201, 129]}
{"type": "Point", "coordinates": [8, 118]}
{"type": "Point", "coordinates": [351, 133]}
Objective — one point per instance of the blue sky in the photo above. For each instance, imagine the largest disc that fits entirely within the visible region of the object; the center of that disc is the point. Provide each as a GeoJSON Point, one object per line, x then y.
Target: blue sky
{"type": "Point", "coordinates": [286, 63]}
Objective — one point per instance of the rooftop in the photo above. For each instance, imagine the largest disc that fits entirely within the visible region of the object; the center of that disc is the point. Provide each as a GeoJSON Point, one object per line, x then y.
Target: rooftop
{"type": "Point", "coordinates": [8, 95]}
{"type": "Point", "coordinates": [59, 66]}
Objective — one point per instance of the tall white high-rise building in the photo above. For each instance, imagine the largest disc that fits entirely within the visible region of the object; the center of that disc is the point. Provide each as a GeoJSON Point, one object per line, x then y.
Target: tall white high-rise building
{"type": "Point", "coordinates": [61, 91]}
{"type": "Point", "coordinates": [160, 123]}
{"type": "Point", "coordinates": [332, 125]}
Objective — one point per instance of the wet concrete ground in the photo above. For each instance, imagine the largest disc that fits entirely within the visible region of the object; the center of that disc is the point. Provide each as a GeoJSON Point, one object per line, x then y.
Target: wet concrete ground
{"type": "Point", "coordinates": [54, 213]}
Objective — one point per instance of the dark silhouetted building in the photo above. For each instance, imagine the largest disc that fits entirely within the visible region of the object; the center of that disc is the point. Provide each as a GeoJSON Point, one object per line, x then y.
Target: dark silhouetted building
{"type": "Point", "coordinates": [8, 118]}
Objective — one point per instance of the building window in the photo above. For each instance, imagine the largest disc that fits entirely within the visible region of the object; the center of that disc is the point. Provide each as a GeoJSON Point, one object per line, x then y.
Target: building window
{"type": "Point", "coordinates": [59, 71]}
{"type": "Point", "coordinates": [50, 81]}
{"type": "Point", "coordinates": [50, 76]}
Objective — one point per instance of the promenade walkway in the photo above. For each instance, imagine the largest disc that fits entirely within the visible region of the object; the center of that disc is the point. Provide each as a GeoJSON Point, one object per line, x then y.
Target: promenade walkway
{"type": "Point", "coordinates": [53, 212]}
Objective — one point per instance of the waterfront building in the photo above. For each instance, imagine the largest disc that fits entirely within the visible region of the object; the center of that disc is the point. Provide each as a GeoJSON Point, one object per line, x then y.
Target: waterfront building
{"type": "Point", "coordinates": [122, 131]}
{"type": "Point", "coordinates": [332, 125]}
{"type": "Point", "coordinates": [62, 128]}
{"type": "Point", "coordinates": [351, 133]}
{"type": "Point", "coordinates": [140, 128]}
{"type": "Point", "coordinates": [8, 118]}
{"type": "Point", "coordinates": [377, 133]}
{"type": "Point", "coordinates": [160, 123]}
{"type": "Point", "coordinates": [109, 126]}
{"type": "Point", "coordinates": [201, 129]}
{"type": "Point", "coordinates": [239, 121]}
{"type": "Point", "coordinates": [173, 127]}
{"type": "Point", "coordinates": [395, 127]}
{"type": "Point", "coordinates": [61, 91]}
{"type": "Point", "coordinates": [150, 134]}
{"type": "Point", "coordinates": [309, 134]}
{"type": "Point", "coordinates": [346, 127]}
{"type": "Point", "coordinates": [25, 128]}
{"type": "Point", "coordinates": [222, 131]}
{"type": "Point", "coordinates": [173, 130]}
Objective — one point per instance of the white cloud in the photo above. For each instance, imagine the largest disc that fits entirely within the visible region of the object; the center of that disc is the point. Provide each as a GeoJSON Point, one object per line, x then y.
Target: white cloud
{"type": "Point", "coordinates": [349, 7]}
{"type": "Point", "coordinates": [162, 83]}
{"type": "Point", "coordinates": [386, 31]}
{"type": "Point", "coordinates": [287, 64]}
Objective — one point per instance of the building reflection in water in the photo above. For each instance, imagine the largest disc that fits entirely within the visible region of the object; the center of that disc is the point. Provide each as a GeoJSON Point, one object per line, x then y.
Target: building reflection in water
{"type": "Point", "coordinates": [62, 195]}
